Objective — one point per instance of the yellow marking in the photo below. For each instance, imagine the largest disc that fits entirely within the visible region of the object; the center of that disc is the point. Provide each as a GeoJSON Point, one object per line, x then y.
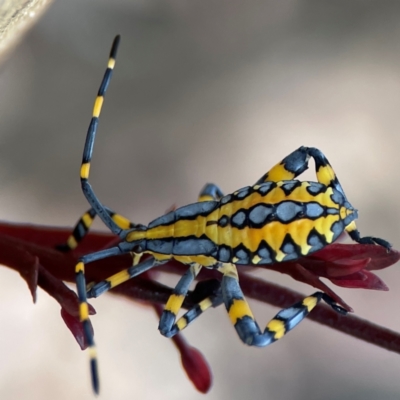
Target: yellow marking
{"type": "Point", "coordinates": [118, 278]}
{"type": "Point", "coordinates": [83, 311]}
{"type": "Point", "coordinates": [174, 303]}
{"type": "Point", "coordinates": [160, 257]}
{"type": "Point", "coordinates": [256, 187]}
{"type": "Point", "coordinates": [92, 353]}
{"type": "Point", "coordinates": [183, 228]}
{"type": "Point", "coordinates": [206, 197]}
{"type": "Point", "coordinates": [111, 63]}
{"type": "Point", "coordinates": [196, 268]}
{"type": "Point", "coordinates": [121, 221]}
{"type": "Point", "coordinates": [325, 175]}
{"type": "Point", "coordinates": [256, 259]}
{"type": "Point", "coordinates": [135, 235]}
{"type": "Point", "coordinates": [136, 258]}
{"type": "Point", "coordinates": [72, 243]}
{"type": "Point", "coordinates": [205, 304]}
{"type": "Point", "coordinates": [235, 260]}
{"type": "Point", "coordinates": [238, 310]}
{"type": "Point", "coordinates": [204, 261]}
{"type": "Point", "coordinates": [299, 231]}
{"type": "Point", "coordinates": [85, 169]}
{"type": "Point", "coordinates": [351, 227]}
{"type": "Point", "coordinates": [323, 226]}
{"type": "Point", "coordinates": [80, 267]}
{"type": "Point", "coordinates": [160, 232]}
{"type": "Point", "coordinates": [230, 270]}
{"type": "Point", "coordinates": [280, 255]}
{"type": "Point", "coordinates": [279, 173]}
{"type": "Point", "coordinates": [310, 302]}
{"type": "Point", "coordinates": [87, 220]}
{"type": "Point", "coordinates": [273, 232]}
{"type": "Point", "coordinates": [98, 103]}
{"type": "Point", "coordinates": [278, 327]}
{"type": "Point", "coordinates": [181, 324]}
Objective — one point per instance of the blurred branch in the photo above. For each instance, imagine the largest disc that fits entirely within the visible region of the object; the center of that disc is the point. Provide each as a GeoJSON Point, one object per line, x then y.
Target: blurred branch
{"type": "Point", "coordinates": [16, 17]}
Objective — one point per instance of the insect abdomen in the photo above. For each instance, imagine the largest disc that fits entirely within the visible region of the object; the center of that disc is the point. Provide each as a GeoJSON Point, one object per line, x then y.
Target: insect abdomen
{"type": "Point", "coordinates": [275, 222]}
{"type": "Point", "coordinates": [267, 223]}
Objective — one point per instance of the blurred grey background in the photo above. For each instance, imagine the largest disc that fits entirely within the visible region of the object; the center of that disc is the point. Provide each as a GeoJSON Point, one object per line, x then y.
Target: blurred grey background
{"type": "Point", "coordinates": [202, 91]}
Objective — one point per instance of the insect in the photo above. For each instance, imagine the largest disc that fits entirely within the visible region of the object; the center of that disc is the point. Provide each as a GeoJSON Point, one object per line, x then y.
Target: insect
{"type": "Point", "coordinates": [277, 219]}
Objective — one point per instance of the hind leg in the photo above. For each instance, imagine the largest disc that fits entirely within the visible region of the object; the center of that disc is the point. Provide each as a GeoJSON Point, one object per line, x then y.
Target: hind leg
{"type": "Point", "coordinates": [243, 319]}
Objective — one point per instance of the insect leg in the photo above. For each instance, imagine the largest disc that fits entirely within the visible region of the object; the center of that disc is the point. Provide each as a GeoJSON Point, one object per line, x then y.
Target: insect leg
{"type": "Point", "coordinates": [168, 325]}
{"type": "Point", "coordinates": [176, 299]}
{"type": "Point", "coordinates": [84, 308]}
{"type": "Point", "coordinates": [289, 168]}
{"type": "Point", "coordinates": [354, 233]}
{"type": "Point", "coordinates": [120, 277]}
{"type": "Point", "coordinates": [84, 224]}
{"type": "Point", "coordinates": [208, 291]}
{"type": "Point", "coordinates": [327, 176]}
{"type": "Point", "coordinates": [210, 192]}
{"type": "Point", "coordinates": [244, 322]}
{"type": "Point", "coordinates": [297, 162]}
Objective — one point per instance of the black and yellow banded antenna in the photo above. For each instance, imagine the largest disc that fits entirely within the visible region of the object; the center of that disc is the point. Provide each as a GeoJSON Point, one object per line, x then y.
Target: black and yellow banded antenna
{"type": "Point", "coordinates": [99, 210]}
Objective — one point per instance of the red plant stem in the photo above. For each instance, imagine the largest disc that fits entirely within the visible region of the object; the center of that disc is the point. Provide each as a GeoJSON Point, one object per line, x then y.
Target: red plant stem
{"type": "Point", "coordinates": [350, 324]}
{"type": "Point", "coordinates": [23, 246]}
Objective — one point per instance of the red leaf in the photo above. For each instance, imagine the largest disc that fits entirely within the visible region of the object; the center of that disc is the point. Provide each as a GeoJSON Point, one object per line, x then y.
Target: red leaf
{"type": "Point", "coordinates": [75, 326]}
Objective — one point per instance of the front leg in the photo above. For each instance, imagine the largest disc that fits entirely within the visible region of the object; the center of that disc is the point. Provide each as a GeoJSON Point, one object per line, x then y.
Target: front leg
{"type": "Point", "coordinates": [353, 232]}
{"type": "Point", "coordinates": [210, 192]}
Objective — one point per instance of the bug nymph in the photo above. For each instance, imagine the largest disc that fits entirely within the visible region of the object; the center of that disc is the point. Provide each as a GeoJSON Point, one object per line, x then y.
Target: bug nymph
{"type": "Point", "coordinates": [277, 219]}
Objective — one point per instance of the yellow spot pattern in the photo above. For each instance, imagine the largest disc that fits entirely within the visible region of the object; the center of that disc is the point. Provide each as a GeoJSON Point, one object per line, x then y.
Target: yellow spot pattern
{"type": "Point", "coordinates": [87, 220]}
{"type": "Point", "coordinates": [325, 175]}
{"type": "Point", "coordinates": [206, 197]}
{"type": "Point", "coordinates": [205, 304]}
{"type": "Point", "coordinates": [135, 235]}
{"type": "Point", "coordinates": [181, 324]}
{"type": "Point", "coordinates": [351, 227]}
{"type": "Point", "coordinates": [83, 311]}
{"type": "Point", "coordinates": [85, 169]}
{"type": "Point", "coordinates": [310, 302]}
{"type": "Point", "coordinates": [278, 327]}
{"type": "Point", "coordinates": [98, 103]}
{"type": "Point", "coordinates": [118, 278]}
{"type": "Point", "coordinates": [72, 243]}
{"type": "Point", "coordinates": [279, 173]}
{"type": "Point", "coordinates": [121, 221]}
{"type": "Point", "coordinates": [174, 303]}
{"type": "Point", "coordinates": [80, 267]}
{"type": "Point", "coordinates": [239, 309]}
{"type": "Point", "coordinates": [111, 63]}
{"type": "Point", "coordinates": [92, 353]}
